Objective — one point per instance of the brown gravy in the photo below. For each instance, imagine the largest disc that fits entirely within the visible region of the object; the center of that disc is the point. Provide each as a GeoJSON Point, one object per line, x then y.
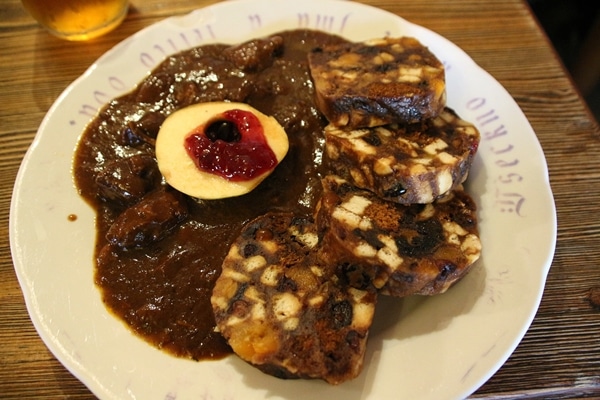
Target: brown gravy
{"type": "Point", "coordinates": [160, 282]}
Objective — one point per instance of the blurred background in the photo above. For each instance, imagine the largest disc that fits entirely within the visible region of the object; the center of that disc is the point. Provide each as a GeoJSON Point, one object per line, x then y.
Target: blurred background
{"type": "Point", "coordinates": [573, 26]}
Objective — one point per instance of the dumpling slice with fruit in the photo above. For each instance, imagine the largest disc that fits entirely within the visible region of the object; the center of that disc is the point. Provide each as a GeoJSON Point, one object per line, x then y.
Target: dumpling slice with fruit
{"type": "Point", "coordinates": [219, 149]}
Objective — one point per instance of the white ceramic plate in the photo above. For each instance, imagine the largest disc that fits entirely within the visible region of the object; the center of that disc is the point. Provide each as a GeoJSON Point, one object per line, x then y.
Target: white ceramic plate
{"type": "Point", "coordinates": [425, 348]}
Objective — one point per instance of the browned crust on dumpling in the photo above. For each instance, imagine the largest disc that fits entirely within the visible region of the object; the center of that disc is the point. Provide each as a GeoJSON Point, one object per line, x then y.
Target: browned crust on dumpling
{"type": "Point", "coordinates": [415, 163]}
{"type": "Point", "coordinates": [284, 311]}
{"type": "Point", "coordinates": [377, 82]}
{"type": "Point", "coordinates": [400, 250]}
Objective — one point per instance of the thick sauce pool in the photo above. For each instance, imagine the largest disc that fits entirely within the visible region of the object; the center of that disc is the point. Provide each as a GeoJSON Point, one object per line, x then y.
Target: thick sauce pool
{"type": "Point", "coordinates": [158, 252]}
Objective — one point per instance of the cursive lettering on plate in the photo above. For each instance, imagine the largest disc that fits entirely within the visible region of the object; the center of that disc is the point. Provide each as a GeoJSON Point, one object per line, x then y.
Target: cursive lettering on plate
{"type": "Point", "coordinates": [327, 23]}
{"type": "Point", "coordinates": [101, 96]}
{"type": "Point", "coordinates": [500, 151]}
{"type": "Point", "coordinates": [255, 21]}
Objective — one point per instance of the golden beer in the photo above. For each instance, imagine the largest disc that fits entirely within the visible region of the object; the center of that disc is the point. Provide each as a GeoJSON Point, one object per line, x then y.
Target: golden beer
{"type": "Point", "coordinates": [77, 19]}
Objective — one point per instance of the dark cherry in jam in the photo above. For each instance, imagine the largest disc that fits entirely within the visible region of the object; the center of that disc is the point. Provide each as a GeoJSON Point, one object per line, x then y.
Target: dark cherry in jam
{"type": "Point", "coordinates": [233, 145]}
{"type": "Point", "coordinates": [223, 129]}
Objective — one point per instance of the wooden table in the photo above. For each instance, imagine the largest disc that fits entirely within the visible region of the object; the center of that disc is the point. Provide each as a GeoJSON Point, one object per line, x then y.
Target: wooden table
{"type": "Point", "coordinates": [560, 354]}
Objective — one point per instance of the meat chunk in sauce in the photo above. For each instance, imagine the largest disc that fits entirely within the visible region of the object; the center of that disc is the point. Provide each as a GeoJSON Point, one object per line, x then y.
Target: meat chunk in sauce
{"type": "Point", "coordinates": [148, 221]}
{"type": "Point", "coordinates": [125, 181]}
{"type": "Point", "coordinates": [255, 55]}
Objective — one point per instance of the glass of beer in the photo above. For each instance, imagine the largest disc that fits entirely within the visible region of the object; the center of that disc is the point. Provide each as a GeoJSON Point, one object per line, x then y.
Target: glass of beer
{"type": "Point", "coordinates": [77, 19]}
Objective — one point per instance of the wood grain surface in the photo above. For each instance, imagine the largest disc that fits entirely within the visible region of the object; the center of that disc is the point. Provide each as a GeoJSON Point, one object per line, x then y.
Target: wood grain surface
{"type": "Point", "coordinates": [559, 356]}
